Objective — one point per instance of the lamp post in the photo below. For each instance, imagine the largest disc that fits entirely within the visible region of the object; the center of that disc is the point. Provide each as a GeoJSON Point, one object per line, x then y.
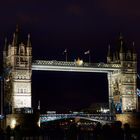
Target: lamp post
{"type": "Point", "coordinates": [66, 55]}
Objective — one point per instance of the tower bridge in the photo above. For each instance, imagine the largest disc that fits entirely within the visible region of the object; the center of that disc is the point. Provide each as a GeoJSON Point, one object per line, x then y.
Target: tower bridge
{"type": "Point", "coordinates": [121, 69]}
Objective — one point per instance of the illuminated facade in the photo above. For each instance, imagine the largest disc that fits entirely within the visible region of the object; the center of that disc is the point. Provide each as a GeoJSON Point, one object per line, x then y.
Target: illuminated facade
{"type": "Point", "coordinates": [17, 60]}
{"type": "Point", "coordinates": [122, 83]}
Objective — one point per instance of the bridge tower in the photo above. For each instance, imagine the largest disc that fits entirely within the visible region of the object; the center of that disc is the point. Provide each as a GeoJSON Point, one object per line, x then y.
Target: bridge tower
{"type": "Point", "coordinates": [17, 62]}
{"type": "Point", "coordinates": [122, 83]}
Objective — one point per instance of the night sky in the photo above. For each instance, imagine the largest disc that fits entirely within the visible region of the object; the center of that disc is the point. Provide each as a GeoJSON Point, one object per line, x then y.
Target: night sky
{"type": "Point", "coordinates": [77, 25]}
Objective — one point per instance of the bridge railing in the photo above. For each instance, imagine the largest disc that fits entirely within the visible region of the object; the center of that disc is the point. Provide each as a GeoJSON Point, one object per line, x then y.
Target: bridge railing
{"type": "Point", "coordinates": [75, 64]}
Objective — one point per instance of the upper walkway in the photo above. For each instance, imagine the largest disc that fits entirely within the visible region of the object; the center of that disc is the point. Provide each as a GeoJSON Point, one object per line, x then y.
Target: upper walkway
{"type": "Point", "coordinates": [77, 66]}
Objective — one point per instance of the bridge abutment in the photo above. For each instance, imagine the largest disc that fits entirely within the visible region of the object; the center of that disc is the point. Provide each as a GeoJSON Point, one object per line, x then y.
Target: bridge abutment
{"type": "Point", "coordinates": [131, 118]}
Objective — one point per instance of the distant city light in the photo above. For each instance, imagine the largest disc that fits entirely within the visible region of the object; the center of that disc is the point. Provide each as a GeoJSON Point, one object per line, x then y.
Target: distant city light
{"type": "Point", "coordinates": [103, 110]}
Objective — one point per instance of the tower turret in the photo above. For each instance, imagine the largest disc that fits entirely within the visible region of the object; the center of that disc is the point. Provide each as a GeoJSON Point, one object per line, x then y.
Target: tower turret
{"type": "Point", "coordinates": [122, 50]}
{"type": "Point", "coordinates": [29, 46]}
{"type": "Point", "coordinates": [122, 53]}
{"type": "Point", "coordinates": [109, 55]}
{"type": "Point", "coordinates": [5, 48]}
{"type": "Point", "coordinates": [16, 37]}
{"type": "Point", "coordinates": [18, 63]}
{"type": "Point", "coordinates": [5, 52]}
{"type": "Point", "coordinates": [114, 58]}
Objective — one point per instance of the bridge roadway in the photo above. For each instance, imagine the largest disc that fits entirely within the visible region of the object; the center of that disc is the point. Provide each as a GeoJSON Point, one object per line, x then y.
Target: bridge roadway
{"type": "Point", "coordinates": [54, 65]}
{"type": "Point", "coordinates": [103, 118]}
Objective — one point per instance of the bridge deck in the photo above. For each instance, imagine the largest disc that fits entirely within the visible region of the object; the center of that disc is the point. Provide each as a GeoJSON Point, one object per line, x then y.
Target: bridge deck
{"type": "Point", "coordinates": [74, 66]}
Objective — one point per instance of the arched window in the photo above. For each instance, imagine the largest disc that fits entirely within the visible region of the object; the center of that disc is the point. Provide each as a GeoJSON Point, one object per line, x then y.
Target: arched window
{"type": "Point", "coordinates": [22, 49]}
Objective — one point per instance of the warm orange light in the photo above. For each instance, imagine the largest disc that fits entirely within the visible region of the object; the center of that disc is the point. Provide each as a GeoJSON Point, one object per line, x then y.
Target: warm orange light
{"type": "Point", "coordinates": [13, 123]}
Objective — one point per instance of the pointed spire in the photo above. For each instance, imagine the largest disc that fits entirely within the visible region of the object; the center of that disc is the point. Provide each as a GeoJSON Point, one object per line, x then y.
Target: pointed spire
{"type": "Point", "coordinates": [134, 49]}
{"type": "Point", "coordinates": [121, 48]}
{"type": "Point", "coordinates": [5, 44]}
{"type": "Point", "coordinates": [121, 36]}
{"type": "Point", "coordinates": [29, 41]}
{"type": "Point", "coordinates": [133, 43]}
{"type": "Point", "coordinates": [109, 53]}
{"type": "Point", "coordinates": [14, 39]}
{"type": "Point", "coordinates": [17, 28]}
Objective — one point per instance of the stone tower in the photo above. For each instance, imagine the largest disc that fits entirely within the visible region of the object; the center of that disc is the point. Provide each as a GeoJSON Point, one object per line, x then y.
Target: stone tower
{"type": "Point", "coordinates": [122, 83]}
{"type": "Point", "coordinates": [17, 62]}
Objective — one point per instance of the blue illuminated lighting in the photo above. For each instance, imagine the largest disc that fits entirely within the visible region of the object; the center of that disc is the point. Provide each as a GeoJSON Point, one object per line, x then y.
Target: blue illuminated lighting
{"type": "Point", "coordinates": [138, 92]}
{"type": "Point", "coordinates": [1, 117]}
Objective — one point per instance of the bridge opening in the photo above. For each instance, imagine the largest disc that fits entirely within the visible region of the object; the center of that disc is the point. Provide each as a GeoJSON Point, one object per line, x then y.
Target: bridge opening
{"type": "Point", "coordinates": [69, 91]}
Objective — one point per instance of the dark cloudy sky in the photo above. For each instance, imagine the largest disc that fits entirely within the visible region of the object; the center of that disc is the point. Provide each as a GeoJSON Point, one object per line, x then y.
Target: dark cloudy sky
{"type": "Point", "coordinates": [77, 25]}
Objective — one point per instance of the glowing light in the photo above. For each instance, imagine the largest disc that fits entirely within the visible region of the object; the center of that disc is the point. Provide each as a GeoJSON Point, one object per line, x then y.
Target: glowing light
{"type": "Point", "coordinates": [7, 80]}
{"type": "Point", "coordinates": [79, 62]}
{"type": "Point", "coordinates": [13, 123]}
{"type": "Point", "coordinates": [103, 110]}
{"type": "Point", "coordinates": [138, 92]}
{"type": "Point", "coordinates": [38, 123]}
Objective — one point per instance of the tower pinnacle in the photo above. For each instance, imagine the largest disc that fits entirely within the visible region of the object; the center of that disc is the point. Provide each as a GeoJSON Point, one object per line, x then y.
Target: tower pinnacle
{"type": "Point", "coordinates": [133, 44]}
{"type": "Point", "coordinates": [109, 53]}
{"type": "Point", "coordinates": [16, 37]}
{"type": "Point", "coordinates": [5, 44]}
{"type": "Point", "coordinates": [29, 41]}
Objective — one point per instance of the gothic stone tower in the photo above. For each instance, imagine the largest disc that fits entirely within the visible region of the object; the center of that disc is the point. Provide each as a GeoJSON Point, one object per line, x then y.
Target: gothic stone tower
{"type": "Point", "coordinates": [122, 83]}
{"type": "Point", "coordinates": [17, 61]}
